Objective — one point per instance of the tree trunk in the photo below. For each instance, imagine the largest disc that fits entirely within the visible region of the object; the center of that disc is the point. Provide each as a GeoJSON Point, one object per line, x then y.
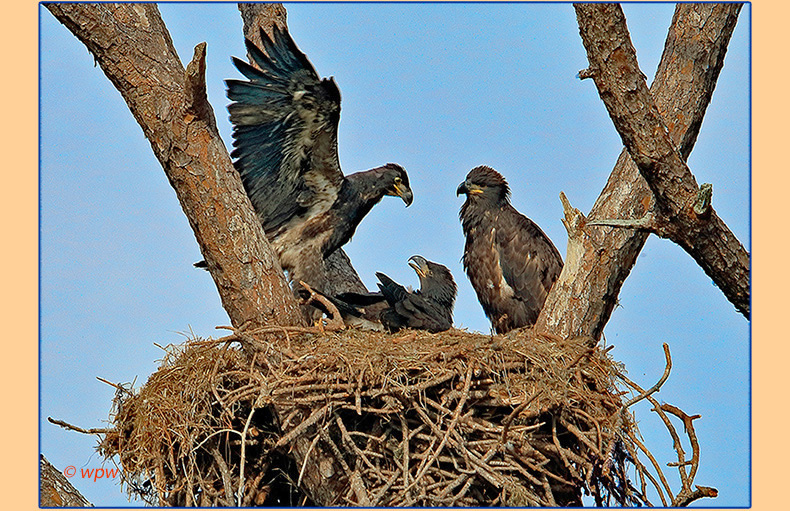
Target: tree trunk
{"type": "Point", "coordinates": [55, 490]}
{"type": "Point", "coordinates": [131, 44]}
{"type": "Point", "coordinates": [598, 259]}
{"type": "Point", "coordinates": [133, 47]}
{"type": "Point", "coordinates": [682, 211]}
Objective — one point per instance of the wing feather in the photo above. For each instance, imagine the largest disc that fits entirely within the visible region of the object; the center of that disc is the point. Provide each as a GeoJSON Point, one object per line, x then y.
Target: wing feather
{"type": "Point", "coordinates": [529, 261]}
{"type": "Point", "coordinates": [391, 290]}
{"type": "Point", "coordinates": [285, 132]}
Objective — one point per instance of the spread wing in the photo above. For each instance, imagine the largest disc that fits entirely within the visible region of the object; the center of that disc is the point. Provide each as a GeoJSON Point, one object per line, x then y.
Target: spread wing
{"type": "Point", "coordinates": [391, 290]}
{"type": "Point", "coordinates": [285, 132]}
{"type": "Point", "coordinates": [529, 261]}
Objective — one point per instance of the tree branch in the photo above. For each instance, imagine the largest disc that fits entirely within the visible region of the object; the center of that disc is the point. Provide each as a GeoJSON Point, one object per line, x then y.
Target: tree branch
{"type": "Point", "coordinates": [582, 299]}
{"type": "Point", "coordinates": [55, 490]}
{"type": "Point", "coordinates": [639, 122]}
{"type": "Point", "coordinates": [133, 47]}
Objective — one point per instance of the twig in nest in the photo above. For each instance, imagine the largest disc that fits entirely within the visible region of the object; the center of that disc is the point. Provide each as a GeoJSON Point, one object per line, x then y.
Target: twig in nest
{"type": "Point", "coordinates": [450, 427]}
{"type": "Point", "coordinates": [509, 419]}
{"type": "Point", "coordinates": [336, 321]}
{"type": "Point", "coordinates": [91, 431]}
{"type": "Point", "coordinates": [357, 485]}
{"type": "Point", "coordinates": [560, 450]}
{"type": "Point", "coordinates": [306, 457]}
{"type": "Point", "coordinates": [226, 480]}
{"type": "Point", "coordinates": [656, 466]}
{"type": "Point", "coordinates": [117, 386]}
{"type": "Point", "coordinates": [218, 432]}
{"type": "Point", "coordinates": [312, 419]}
{"type": "Point", "coordinates": [405, 433]}
{"type": "Point", "coordinates": [689, 426]}
{"type": "Point", "coordinates": [243, 456]}
{"type": "Point", "coordinates": [349, 442]}
{"type": "Point", "coordinates": [655, 388]}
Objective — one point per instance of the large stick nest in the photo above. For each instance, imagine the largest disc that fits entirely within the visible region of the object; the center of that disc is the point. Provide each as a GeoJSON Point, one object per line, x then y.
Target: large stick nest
{"type": "Point", "coordinates": [414, 419]}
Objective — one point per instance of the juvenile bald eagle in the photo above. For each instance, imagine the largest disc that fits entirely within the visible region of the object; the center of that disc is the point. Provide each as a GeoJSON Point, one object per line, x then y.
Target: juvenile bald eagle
{"type": "Point", "coordinates": [511, 263]}
{"type": "Point", "coordinates": [285, 121]}
{"type": "Point", "coordinates": [429, 308]}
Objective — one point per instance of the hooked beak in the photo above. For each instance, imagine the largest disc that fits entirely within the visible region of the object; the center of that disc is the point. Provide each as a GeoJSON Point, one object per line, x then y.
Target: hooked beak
{"type": "Point", "coordinates": [469, 190]}
{"type": "Point", "coordinates": [461, 189]}
{"type": "Point", "coordinates": [419, 264]}
{"type": "Point", "coordinates": [405, 193]}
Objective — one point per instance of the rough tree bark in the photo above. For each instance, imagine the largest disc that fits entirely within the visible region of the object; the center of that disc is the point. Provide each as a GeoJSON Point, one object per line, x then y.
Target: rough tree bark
{"type": "Point", "coordinates": [131, 44]}
{"type": "Point", "coordinates": [55, 490]}
{"type": "Point", "coordinates": [682, 211]}
{"type": "Point", "coordinates": [599, 259]}
{"type": "Point", "coordinates": [133, 47]}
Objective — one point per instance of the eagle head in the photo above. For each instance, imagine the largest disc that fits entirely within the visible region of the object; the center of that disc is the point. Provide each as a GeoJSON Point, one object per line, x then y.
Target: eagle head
{"type": "Point", "coordinates": [485, 183]}
{"type": "Point", "coordinates": [436, 281]}
{"type": "Point", "coordinates": [397, 182]}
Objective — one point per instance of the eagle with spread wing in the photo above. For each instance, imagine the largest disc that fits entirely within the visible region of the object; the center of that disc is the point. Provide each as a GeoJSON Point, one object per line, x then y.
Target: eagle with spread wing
{"type": "Point", "coordinates": [396, 307]}
{"type": "Point", "coordinates": [285, 120]}
{"type": "Point", "coordinates": [510, 261]}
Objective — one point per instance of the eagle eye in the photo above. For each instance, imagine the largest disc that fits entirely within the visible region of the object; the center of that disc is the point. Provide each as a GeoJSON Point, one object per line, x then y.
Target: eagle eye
{"type": "Point", "coordinates": [398, 180]}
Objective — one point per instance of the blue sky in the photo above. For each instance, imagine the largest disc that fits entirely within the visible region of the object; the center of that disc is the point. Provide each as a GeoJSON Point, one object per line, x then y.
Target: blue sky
{"type": "Point", "coordinates": [438, 88]}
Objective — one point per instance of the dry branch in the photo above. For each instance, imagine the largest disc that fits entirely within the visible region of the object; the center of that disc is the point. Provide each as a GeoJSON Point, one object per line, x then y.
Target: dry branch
{"type": "Point", "coordinates": [494, 438]}
{"type": "Point", "coordinates": [169, 104]}
{"type": "Point", "coordinates": [71, 427]}
{"type": "Point", "coordinates": [599, 260]}
{"type": "Point", "coordinates": [639, 122]}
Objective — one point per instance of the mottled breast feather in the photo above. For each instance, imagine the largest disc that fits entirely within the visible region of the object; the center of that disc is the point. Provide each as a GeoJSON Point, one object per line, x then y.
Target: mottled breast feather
{"type": "Point", "coordinates": [510, 261]}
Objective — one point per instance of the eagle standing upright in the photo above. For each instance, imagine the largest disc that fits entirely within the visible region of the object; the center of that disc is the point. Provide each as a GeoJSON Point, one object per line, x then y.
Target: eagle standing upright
{"type": "Point", "coordinates": [510, 261]}
{"type": "Point", "coordinates": [285, 121]}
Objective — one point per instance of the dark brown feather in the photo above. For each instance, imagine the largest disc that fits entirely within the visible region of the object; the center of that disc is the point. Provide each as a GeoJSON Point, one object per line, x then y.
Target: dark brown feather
{"type": "Point", "coordinates": [510, 261]}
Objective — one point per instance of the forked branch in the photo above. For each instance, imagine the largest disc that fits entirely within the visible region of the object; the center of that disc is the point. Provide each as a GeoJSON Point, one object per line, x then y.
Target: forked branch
{"type": "Point", "coordinates": [686, 495]}
{"type": "Point", "coordinates": [584, 296]}
{"type": "Point", "coordinates": [638, 120]}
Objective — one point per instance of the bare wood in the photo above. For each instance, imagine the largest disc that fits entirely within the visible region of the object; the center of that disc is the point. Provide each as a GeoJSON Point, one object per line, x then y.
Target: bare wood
{"type": "Point", "coordinates": [656, 467]}
{"type": "Point", "coordinates": [55, 490]}
{"type": "Point", "coordinates": [599, 260]}
{"type": "Point", "coordinates": [263, 15]}
{"type": "Point", "coordinates": [133, 47]}
{"type": "Point", "coordinates": [71, 427]}
{"type": "Point", "coordinates": [639, 122]}
{"type": "Point", "coordinates": [688, 424]}
{"type": "Point", "coordinates": [226, 479]}
{"type": "Point", "coordinates": [655, 388]}
{"type": "Point", "coordinates": [335, 322]}
{"type": "Point", "coordinates": [684, 500]}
